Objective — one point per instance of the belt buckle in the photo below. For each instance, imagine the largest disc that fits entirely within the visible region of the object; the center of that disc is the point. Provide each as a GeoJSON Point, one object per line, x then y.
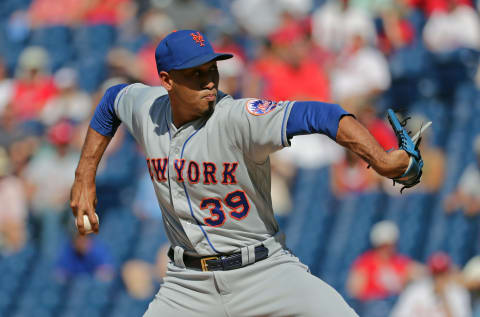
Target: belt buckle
{"type": "Point", "coordinates": [203, 262]}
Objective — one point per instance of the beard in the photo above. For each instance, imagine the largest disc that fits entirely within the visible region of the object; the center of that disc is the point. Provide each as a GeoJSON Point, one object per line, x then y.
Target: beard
{"type": "Point", "coordinates": [211, 107]}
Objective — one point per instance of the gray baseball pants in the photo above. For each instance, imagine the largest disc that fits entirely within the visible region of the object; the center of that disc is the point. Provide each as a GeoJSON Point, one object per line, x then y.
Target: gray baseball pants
{"type": "Point", "coordinates": [278, 286]}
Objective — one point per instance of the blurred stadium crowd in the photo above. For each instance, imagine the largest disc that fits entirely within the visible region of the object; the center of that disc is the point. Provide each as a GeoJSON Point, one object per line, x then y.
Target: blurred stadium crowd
{"type": "Point", "coordinates": [416, 254]}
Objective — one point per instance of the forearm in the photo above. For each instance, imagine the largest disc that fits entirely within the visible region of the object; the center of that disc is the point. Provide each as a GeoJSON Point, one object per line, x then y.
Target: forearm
{"type": "Point", "coordinates": [355, 137]}
{"type": "Point", "coordinates": [83, 197]}
{"type": "Point", "coordinates": [92, 152]}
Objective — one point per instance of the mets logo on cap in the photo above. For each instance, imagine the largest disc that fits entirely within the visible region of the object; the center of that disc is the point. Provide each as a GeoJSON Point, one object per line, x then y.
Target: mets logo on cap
{"type": "Point", "coordinates": [259, 107]}
{"type": "Point", "coordinates": [198, 38]}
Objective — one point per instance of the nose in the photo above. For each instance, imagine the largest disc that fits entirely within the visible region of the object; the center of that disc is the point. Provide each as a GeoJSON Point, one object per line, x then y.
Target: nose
{"type": "Point", "coordinates": [209, 80]}
{"type": "Point", "coordinates": [209, 84]}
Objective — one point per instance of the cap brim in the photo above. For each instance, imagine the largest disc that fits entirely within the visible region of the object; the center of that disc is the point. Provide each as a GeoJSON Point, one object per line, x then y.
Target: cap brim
{"type": "Point", "coordinates": [202, 59]}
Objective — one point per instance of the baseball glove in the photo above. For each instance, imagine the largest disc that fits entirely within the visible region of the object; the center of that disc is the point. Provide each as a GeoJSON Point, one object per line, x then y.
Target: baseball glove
{"type": "Point", "coordinates": [412, 175]}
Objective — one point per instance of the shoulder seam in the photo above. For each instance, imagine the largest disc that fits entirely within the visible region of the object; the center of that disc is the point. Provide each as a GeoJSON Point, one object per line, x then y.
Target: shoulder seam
{"type": "Point", "coordinates": [120, 94]}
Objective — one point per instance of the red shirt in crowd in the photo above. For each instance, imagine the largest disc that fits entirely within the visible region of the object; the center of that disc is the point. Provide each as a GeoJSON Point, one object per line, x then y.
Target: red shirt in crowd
{"type": "Point", "coordinates": [29, 98]}
{"type": "Point", "coordinates": [106, 12]}
{"type": "Point", "coordinates": [282, 81]}
{"type": "Point", "coordinates": [148, 65]}
{"type": "Point", "coordinates": [54, 12]}
{"type": "Point", "coordinates": [430, 6]}
{"type": "Point", "coordinates": [384, 278]}
{"type": "Point", "coordinates": [303, 77]}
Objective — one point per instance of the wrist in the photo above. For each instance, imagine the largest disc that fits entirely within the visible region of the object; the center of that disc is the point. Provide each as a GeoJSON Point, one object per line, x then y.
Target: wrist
{"type": "Point", "coordinates": [85, 175]}
{"type": "Point", "coordinates": [399, 163]}
{"type": "Point", "coordinates": [406, 171]}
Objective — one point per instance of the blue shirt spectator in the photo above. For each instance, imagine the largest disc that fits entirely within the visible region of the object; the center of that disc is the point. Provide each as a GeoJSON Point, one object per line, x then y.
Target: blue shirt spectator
{"type": "Point", "coordinates": [84, 255]}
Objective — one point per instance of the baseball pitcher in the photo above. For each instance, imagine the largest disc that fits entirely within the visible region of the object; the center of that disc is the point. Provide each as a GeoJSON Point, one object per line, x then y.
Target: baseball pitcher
{"type": "Point", "coordinates": [208, 158]}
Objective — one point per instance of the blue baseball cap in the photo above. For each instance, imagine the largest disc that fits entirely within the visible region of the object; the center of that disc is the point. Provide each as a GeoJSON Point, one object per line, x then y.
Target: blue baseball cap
{"type": "Point", "coordinates": [185, 49]}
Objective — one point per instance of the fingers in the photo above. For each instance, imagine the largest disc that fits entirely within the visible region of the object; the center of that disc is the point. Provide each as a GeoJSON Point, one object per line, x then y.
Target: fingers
{"type": "Point", "coordinates": [95, 223]}
{"type": "Point", "coordinates": [82, 205]}
{"type": "Point", "coordinates": [73, 201]}
{"type": "Point", "coordinates": [77, 212]}
{"type": "Point", "coordinates": [78, 215]}
{"type": "Point", "coordinates": [87, 222]}
{"type": "Point", "coordinates": [93, 218]}
{"type": "Point", "coordinates": [80, 224]}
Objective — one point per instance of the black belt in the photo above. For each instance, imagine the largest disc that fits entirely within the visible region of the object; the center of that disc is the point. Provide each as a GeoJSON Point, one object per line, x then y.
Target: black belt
{"type": "Point", "coordinates": [221, 262]}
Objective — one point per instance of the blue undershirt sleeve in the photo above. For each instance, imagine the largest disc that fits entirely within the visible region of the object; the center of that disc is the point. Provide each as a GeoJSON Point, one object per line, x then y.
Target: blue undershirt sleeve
{"type": "Point", "coordinates": [105, 120]}
{"type": "Point", "coordinates": [307, 117]}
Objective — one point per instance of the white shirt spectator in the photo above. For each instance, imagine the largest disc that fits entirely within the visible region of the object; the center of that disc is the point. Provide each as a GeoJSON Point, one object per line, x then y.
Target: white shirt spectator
{"type": "Point", "coordinates": [446, 31]}
{"type": "Point", "coordinates": [6, 89]}
{"type": "Point", "coordinates": [470, 181]}
{"type": "Point", "coordinates": [70, 103]}
{"type": "Point", "coordinates": [258, 17]}
{"type": "Point", "coordinates": [360, 74]}
{"type": "Point", "coordinates": [310, 151]}
{"type": "Point", "coordinates": [420, 300]}
{"type": "Point", "coordinates": [75, 106]}
{"type": "Point", "coordinates": [297, 7]}
{"type": "Point", "coordinates": [14, 202]}
{"type": "Point", "coordinates": [52, 176]}
{"type": "Point", "coordinates": [333, 28]}
{"type": "Point", "coordinates": [262, 17]}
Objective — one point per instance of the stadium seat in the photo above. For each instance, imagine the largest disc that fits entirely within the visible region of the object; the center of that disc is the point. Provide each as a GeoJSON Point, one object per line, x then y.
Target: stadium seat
{"type": "Point", "coordinates": [57, 41]}
{"type": "Point", "coordinates": [306, 206]}
{"type": "Point", "coordinates": [94, 39]}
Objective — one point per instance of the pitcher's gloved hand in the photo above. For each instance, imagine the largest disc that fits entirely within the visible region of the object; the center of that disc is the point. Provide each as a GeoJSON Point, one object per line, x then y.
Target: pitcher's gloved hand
{"type": "Point", "coordinates": [413, 173]}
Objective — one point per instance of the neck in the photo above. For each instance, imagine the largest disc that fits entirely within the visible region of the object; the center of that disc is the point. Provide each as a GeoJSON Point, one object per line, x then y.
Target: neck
{"type": "Point", "coordinates": [178, 120]}
{"type": "Point", "coordinates": [181, 115]}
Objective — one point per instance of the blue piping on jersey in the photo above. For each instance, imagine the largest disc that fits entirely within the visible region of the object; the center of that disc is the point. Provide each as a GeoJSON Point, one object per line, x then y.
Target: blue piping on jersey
{"type": "Point", "coordinates": [188, 197]}
{"type": "Point", "coordinates": [283, 123]}
{"type": "Point", "coordinates": [170, 138]}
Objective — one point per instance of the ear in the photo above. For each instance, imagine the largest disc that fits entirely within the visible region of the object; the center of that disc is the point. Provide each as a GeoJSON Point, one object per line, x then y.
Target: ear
{"type": "Point", "coordinates": [166, 80]}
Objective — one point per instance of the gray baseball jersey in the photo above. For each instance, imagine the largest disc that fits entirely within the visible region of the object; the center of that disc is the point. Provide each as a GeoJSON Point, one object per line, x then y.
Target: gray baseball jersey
{"type": "Point", "coordinates": [212, 175]}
